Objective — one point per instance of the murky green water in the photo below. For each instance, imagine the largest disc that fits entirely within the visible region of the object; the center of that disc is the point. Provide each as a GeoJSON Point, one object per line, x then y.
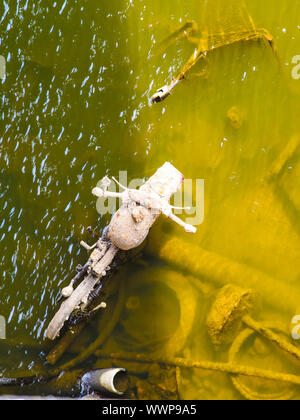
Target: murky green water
{"type": "Point", "coordinates": [75, 106]}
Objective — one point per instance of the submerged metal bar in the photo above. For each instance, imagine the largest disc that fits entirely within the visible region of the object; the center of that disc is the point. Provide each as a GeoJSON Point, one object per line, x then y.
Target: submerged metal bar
{"type": "Point", "coordinates": [221, 270]}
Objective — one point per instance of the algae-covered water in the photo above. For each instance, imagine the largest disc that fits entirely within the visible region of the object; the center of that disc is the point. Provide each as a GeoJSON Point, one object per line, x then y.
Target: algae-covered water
{"type": "Point", "coordinates": [75, 106]}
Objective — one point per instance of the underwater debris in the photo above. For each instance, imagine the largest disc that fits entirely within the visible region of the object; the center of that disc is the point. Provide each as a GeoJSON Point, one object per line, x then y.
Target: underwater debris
{"type": "Point", "coordinates": [80, 295]}
{"type": "Point", "coordinates": [280, 164]}
{"type": "Point", "coordinates": [231, 368]}
{"type": "Point", "coordinates": [133, 303]}
{"type": "Point", "coordinates": [230, 309]}
{"type": "Point", "coordinates": [284, 392]}
{"type": "Point", "coordinates": [170, 296]}
{"type": "Point", "coordinates": [284, 169]}
{"type": "Point", "coordinates": [104, 334]}
{"type": "Point", "coordinates": [126, 231]}
{"type": "Point", "coordinates": [220, 270]}
{"type": "Point", "coordinates": [221, 25]}
{"type": "Point", "coordinates": [226, 314]}
{"type": "Point", "coordinates": [235, 117]}
{"type": "Point", "coordinates": [113, 381]}
{"type": "Point", "coordinates": [161, 384]}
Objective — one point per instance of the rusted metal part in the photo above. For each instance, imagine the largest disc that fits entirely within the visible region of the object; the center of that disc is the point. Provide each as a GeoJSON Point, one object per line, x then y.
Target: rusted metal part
{"type": "Point", "coordinates": [112, 380]}
{"type": "Point", "coordinates": [229, 367]}
{"type": "Point", "coordinates": [221, 25]}
{"type": "Point", "coordinates": [231, 308]}
{"type": "Point", "coordinates": [80, 294]}
{"type": "Point", "coordinates": [221, 270]}
{"type": "Point", "coordinates": [284, 392]}
{"type": "Point", "coordinates": [127, 230]}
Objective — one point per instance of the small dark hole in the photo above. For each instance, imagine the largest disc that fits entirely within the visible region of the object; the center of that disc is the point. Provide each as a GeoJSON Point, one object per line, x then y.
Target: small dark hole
{"type": "Point", "coordinates": [121, 381]}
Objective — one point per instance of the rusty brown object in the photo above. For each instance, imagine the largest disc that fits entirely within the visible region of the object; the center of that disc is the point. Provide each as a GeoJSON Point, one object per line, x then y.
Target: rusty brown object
{"type": "Point", "coordinates": [231, 308]}
{"type": "Point", "coordinates": [231, 368]}
{"type": "Point", "coordinates": [225, 317]}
